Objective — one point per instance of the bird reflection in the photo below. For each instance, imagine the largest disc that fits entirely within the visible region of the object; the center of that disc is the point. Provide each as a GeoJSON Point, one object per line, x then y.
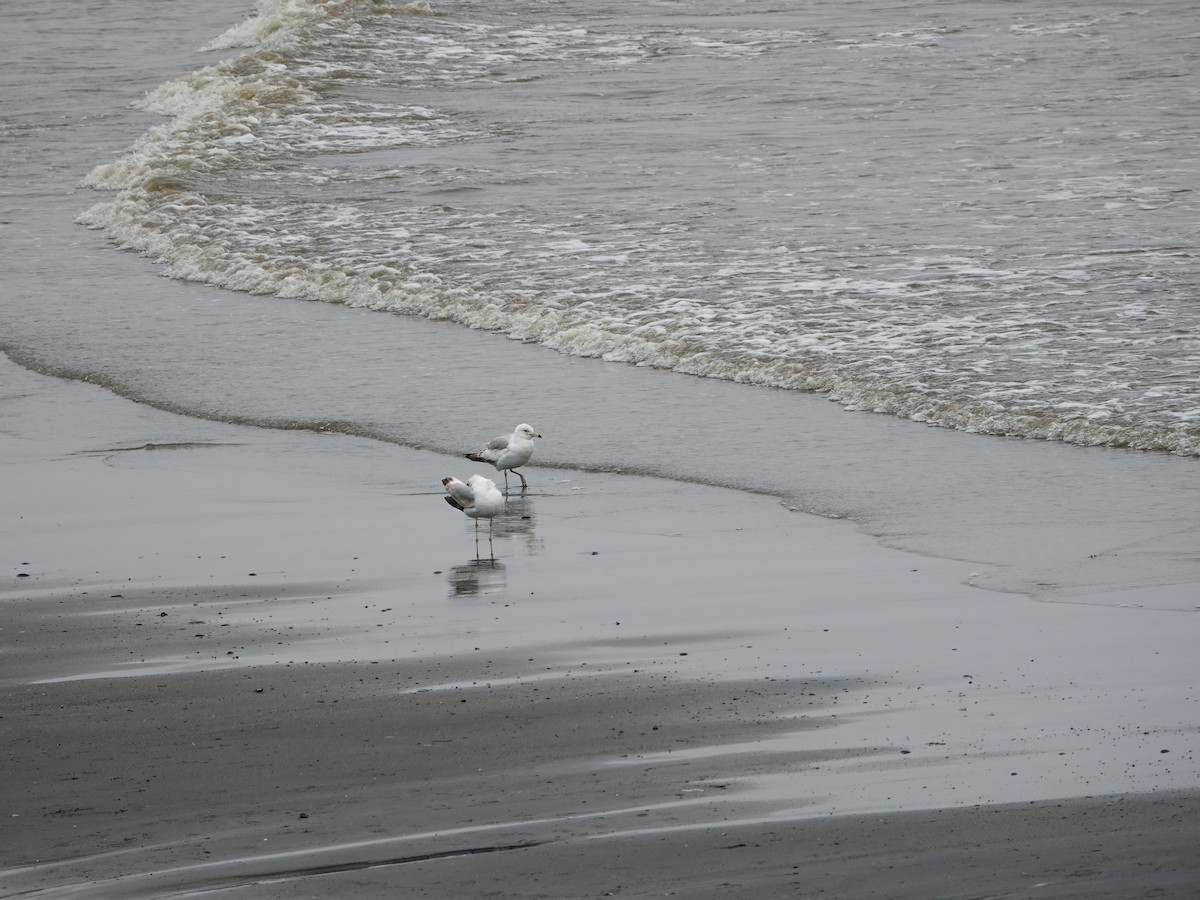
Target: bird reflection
{"type": "Point", "coordinates": [478, 577]}
{"type": "Point", "coordinates": [483, 576]}
{"type": "Point", "coordinates": [517, 522]}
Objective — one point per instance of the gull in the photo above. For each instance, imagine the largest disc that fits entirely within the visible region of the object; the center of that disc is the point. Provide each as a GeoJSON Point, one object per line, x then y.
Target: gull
{"type": "Point", "coordinates": [479, 498]}
{"type": "Point", "coordinates": [509, 451]}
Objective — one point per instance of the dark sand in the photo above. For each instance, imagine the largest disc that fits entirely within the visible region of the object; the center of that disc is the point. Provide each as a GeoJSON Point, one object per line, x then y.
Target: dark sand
{"type": "Point", "coordinates": [329, 781]}
{"type": "Point", "coordinates": [240, 663]}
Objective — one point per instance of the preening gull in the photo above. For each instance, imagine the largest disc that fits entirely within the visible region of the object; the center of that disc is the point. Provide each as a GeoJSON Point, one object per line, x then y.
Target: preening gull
{"type": "Point", "coordinates": [478, 497]}
{"type": "Point", "coordinates": [508, 452]}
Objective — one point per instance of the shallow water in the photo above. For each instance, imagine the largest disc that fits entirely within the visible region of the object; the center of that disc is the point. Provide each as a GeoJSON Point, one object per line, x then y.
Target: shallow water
{"type": "Point", "coordinates": [990, 225]}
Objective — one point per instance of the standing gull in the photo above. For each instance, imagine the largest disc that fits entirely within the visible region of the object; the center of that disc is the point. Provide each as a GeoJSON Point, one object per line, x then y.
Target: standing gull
{"type": "Point", "coordinates": [509, 451]}
{"type": "Point", "coordinates": [479, 498]}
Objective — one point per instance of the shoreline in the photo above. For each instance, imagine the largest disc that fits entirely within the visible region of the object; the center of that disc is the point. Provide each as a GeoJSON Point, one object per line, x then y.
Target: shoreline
{"type": "Point", "coordinates": [239, 656]}
{"type": "Point", "coordinates": [237, 661]}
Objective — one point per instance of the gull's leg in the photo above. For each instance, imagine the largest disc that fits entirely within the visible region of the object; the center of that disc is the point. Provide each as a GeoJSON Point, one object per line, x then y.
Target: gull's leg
{"type": "Point", "coordinates": [491, 549]}
{"type": "Point", "coordinates": [524, 483]}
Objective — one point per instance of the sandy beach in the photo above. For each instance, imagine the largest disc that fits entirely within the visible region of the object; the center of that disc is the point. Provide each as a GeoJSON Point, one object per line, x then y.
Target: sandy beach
{"type": "Point", "coordinates": [238, 661]}
{"type": "Point", "coordinates": [735, 641]}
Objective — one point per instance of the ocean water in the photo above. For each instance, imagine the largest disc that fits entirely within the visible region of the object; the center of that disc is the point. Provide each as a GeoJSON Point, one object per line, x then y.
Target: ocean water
{"type": "Point", "coordinates": [976, 216]}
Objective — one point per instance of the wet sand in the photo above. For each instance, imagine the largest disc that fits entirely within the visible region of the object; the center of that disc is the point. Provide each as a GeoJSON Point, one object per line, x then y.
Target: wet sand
{"type": "Point", "coordinates": [247, 663]}
{"type": "Point", "coordinates": [329, 782]}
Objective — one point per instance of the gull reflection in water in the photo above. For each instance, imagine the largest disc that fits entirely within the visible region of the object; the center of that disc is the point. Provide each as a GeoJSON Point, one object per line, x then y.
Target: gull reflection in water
{"type": "Point", "coordinates": [517, 522]}
{"type": "Point", "coordinates": [477, 578]}
{"type": "Point", "coordinates": [515, 525]}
